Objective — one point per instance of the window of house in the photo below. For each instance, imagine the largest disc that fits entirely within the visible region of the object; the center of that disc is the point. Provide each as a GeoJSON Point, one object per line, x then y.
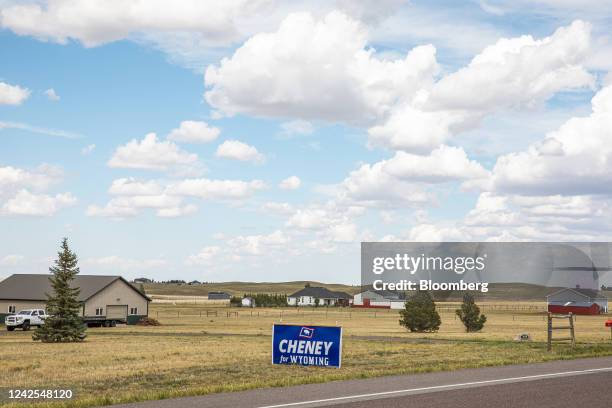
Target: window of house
{"type": "Point", "coordinates": [133, 310]}
{"type": "Point", "coordinates": [99, 311]}
{"type": "Point", "coordinates": [12, 308]}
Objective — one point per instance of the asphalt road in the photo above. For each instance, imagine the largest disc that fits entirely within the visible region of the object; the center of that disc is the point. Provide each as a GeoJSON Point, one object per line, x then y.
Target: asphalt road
{"type": "Point", "coordinates": [575, 383]}
{"type": "Point", "coordinates": [589, 390]}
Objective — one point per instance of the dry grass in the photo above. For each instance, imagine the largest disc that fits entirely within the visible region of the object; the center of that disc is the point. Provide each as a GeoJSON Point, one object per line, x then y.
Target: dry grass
{"type": "Point", "coordinates": [501, 325]}
{"type": "Point", "coordinates": [191, 355]}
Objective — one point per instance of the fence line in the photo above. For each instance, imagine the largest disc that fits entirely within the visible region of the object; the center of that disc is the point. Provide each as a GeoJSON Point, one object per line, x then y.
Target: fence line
{"type": "Point", "coordinates": [334, 313]}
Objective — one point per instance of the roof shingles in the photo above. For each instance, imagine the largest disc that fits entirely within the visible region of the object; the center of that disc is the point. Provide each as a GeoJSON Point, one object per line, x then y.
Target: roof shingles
{"type": "Point", "coordinates": [36, 286]}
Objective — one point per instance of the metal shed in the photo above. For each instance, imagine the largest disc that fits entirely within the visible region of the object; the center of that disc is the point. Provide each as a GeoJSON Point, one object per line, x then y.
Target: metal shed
{"type": "Point", "coordinates": [219, 296]}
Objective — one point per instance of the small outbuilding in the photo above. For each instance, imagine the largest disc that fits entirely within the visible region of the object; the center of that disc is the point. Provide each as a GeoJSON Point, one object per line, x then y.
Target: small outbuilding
{"type": "Point", "coordinates": [577, 301]}
{"type": "Point", "coordinates": [318, 296]}
{"type": "Point", "coordinates": [219, 296]}
{"type": "Point", "coordinates": [248, 302]}
{"type": "Point", "coordinates": [382, 299]}
{"type": "Point", "coordinates": [101, 297]}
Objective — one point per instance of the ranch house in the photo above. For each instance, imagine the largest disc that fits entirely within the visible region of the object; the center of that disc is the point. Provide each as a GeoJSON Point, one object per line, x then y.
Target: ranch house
{"type": "Point", "coordinates": [577, 301]}
{"type": "Point", "coordinates": [318, 296]}
{"type": "Point", "coordinates": [108, 297]}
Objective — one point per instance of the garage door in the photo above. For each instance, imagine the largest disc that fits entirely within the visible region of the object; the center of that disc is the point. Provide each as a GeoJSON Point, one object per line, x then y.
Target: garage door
{"type": "Point", "coordinates": [116, 312]}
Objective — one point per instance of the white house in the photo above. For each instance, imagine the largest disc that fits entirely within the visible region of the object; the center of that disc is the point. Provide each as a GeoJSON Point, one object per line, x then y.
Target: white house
{"type": "Point", "coordinates": [318, 296]}
{"type": "Point", "coordinates": [248, 302]}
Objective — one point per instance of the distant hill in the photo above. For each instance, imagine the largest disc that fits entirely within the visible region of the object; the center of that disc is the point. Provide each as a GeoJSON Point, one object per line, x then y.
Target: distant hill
{"type": "Point", "coordinates": [241, 288]}
{"type": "Point", "coordinates": [497, 291]}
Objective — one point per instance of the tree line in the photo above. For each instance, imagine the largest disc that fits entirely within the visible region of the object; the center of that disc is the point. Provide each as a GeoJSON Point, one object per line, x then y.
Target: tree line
{"type": "Point", "coordinates": [261, 300]}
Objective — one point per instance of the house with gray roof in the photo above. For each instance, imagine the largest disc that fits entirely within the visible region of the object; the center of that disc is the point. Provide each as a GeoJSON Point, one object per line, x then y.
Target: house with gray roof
{"type": "Point", "coordinates": [101, 297]}
{"type": "Point", "coordinates": [318, 296]}
{"type": "Point", "coordinates": [219, 296]}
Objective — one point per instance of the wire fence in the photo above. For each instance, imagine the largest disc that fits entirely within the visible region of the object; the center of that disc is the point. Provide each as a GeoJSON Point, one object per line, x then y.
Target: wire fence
{"type": "Point", "coordinates": [517, 311]}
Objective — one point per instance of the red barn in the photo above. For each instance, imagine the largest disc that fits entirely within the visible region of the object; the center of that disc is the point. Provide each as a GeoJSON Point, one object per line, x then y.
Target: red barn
{"type": "Point", "coordinates": [577, 301]}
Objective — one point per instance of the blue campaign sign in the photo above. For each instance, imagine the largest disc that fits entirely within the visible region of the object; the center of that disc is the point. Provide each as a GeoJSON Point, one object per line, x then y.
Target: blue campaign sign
{"type": "Point", "coordinates": [307, 345]}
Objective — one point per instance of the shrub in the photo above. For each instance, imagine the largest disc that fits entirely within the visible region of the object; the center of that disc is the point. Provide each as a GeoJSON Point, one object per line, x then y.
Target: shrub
{"type": "Point", "coordinates": [469, 313]}
{"type": "Point", "coordinates": [148, 321]}
{"type": "Point", "coordinates": [419, 314]}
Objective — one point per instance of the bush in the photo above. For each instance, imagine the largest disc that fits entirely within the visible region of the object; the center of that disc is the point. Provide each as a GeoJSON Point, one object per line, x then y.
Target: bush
{"type": "Point", "coordinates": [148, 321]}
{"type": "Point", "coordinates": [419, 314]}
{"type": "Point", "coordinates": [469, 313]}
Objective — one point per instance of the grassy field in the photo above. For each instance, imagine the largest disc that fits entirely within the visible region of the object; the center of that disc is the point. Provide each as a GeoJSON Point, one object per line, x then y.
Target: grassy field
{"type": "Point", "coordinates": [202, 350]}
{"type": "Point", "coordinates": [497, 291]}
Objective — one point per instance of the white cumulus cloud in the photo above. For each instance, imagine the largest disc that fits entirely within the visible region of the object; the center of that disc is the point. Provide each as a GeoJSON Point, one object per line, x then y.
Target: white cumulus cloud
{"type": "Point", "coordinates": [313, 68]}
{"type": "Point", "coordinates": [12, 94]}
{"type": "Point", "coordinates": [52, 95]}
{"type": "Point", "coordinates": [236, 150]}
{"type": "Point", "coordinates": [575, 159]}
{"type": "Point", "coordinates": [191, 131]}
{"type": "Point", "coordinates": [209, 189]}
{"type": "Point", "coordinates": [290, 183]}
{"type": "Point", "coordinates": [153, 154]}
{"type": "Point", "coordinates": [40, 178]}
{"type": "Point", "coordinates": [27, 203]}
{"type": "Point", "coordinates": [94, 23]}
{"type": "Point", "coordinates": [205, 256]}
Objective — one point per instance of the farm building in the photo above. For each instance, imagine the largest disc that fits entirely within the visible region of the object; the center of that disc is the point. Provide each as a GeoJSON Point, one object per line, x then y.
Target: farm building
{"type": "Point", "coordinates": [248, 302]}
{"type": "Point", "coordinates": [577, 301]}
{"type": "Point", "coordinates": [318, 296]}
{"type": "Point", "coordinates": [219, 296]}
{"type": "Point", "coordinates": [109, 297]}
{"type": "Point", "coordinates": [383, 299]}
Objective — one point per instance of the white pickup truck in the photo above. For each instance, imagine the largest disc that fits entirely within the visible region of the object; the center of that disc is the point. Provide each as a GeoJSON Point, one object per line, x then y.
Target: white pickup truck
{"type": "Point", "coordinates": [25, 319]}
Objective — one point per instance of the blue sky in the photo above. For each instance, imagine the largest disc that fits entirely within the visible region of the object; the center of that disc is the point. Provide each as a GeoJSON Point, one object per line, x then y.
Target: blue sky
{"type": "Point", "coordinates": [386, 120]}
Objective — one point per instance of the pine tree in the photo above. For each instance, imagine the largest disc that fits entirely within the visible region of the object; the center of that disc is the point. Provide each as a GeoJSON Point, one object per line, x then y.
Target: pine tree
{"type": "Point", "coordinates": [64, 323]}
{"type": "Point", "coordinates": [420, 314]}
{"type": "Point", "coordinates": [469, 313]}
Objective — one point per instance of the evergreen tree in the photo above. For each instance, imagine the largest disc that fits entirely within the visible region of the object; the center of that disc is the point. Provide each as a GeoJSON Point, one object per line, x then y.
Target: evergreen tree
{"type": "Point", "coordinates": [469, 313]}
{"type": "Point", "coordinates": [420, 314]}
{"type": "Point", "coordinates": [64, 323]}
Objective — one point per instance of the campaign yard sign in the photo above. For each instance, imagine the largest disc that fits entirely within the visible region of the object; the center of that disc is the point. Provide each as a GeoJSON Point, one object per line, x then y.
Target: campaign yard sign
{"type": "Point", "coordinates": [307, 345]}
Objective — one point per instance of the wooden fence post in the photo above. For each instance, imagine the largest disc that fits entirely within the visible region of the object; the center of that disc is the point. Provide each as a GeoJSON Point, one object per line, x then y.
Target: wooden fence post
{"type": "Point", "coordinates": [549, 342]}
{"type": "Point", "coordinates": [572, 333]}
